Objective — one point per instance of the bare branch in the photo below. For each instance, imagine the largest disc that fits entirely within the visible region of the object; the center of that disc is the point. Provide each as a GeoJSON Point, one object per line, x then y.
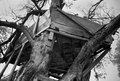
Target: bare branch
{"type": "Point", "coordinates": [35, 2]}
{"type": "Point", "coordinates": [91, 12]}
{"type": "Point", "coordinates": [20, 27]}
{"type": "Point", "coordinates": [34, 12]}
{"type": "Point", "coordinates": [109, 16]}
{"type": "Point", "coordinates": [43, 3]}
{"type": "Point", "coordinates": [36, 5]}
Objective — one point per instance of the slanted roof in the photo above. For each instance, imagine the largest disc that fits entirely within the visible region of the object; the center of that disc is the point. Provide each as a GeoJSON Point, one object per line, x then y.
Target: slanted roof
{"type": "Point", "coordinates": [92, 27]}
{"type": "Point", "coordinates": [68, 24]}
{"type": "Point", "coordinates": [74, 25]}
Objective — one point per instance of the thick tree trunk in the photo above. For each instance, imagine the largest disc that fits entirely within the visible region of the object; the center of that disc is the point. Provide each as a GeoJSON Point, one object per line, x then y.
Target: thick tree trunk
{"type": "Point", "coordinates": [39, 59]}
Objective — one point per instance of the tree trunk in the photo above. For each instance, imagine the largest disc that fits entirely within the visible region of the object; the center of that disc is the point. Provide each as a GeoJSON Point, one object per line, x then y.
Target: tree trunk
{"type": "Point", "coordinates": [39, 59]}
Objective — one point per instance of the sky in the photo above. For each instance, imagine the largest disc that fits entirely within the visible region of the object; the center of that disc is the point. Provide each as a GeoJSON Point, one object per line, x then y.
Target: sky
{"type": "Point", "coordinates": [80, 5]}
{"type": "Point", "coordinates": [5, 13]}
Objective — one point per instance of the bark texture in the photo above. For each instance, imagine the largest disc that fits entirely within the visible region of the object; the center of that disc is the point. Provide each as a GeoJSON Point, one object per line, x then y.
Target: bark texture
{"type": "Point", "coordinates": [37, 65]}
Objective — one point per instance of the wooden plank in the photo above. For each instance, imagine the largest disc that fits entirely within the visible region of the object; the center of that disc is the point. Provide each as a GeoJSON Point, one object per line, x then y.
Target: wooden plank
{"type": "Point", "coordinates": [80, 25]}
{"type": "Point", "coordinates": [67, 35]}
{"type": "Point", "coordinates": [71, 30]}
{"type": "Point", "coordinates": [92, 27]}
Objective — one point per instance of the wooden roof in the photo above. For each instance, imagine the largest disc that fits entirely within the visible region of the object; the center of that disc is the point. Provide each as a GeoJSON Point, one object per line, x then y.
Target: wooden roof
{"type": "Point", "coordinates": [68, 24]}
{"type": "Point", "coordinates": [74, 25]}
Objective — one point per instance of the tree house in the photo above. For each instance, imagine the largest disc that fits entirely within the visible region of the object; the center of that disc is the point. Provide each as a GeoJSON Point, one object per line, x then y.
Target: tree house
{"type": "Point", "coordinates": [70, 33]}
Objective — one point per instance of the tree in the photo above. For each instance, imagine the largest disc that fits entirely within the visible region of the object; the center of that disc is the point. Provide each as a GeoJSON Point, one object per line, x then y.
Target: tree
{"type": "Point", "coordinates": [37, 66]}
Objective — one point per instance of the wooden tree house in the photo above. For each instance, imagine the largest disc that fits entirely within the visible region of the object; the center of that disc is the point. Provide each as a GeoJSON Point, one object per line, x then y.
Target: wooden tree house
{"type": "Point", "coordinates": [70, 33]}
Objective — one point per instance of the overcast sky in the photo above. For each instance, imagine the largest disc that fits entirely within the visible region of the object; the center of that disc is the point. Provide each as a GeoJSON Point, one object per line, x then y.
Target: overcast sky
{"type": "Point", "coordinates": [7, 5]}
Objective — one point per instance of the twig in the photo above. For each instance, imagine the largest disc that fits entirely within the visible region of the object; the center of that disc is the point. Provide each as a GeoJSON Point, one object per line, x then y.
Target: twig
{"type": "Point", "coordinates": [34, 12]}
{"type": "Point", "coordinates": [36, 5]}
{"type": "Point", "coordinates": [10, 38]}
{"type": "Point", "coordinates": [43, 3]}
{"type": "Point", "coordinates": [91, 12]}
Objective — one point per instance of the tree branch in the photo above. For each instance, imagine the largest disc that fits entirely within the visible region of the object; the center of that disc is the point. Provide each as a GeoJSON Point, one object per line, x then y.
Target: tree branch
{"type": "Point", "coordinates": [37, 4]}
{"type": "Point", "coordinates": [91, 12]}
{"type": "Point", "coordinates": [20, 27]}
{"type": "Point", "coordinates": [34, 12]}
